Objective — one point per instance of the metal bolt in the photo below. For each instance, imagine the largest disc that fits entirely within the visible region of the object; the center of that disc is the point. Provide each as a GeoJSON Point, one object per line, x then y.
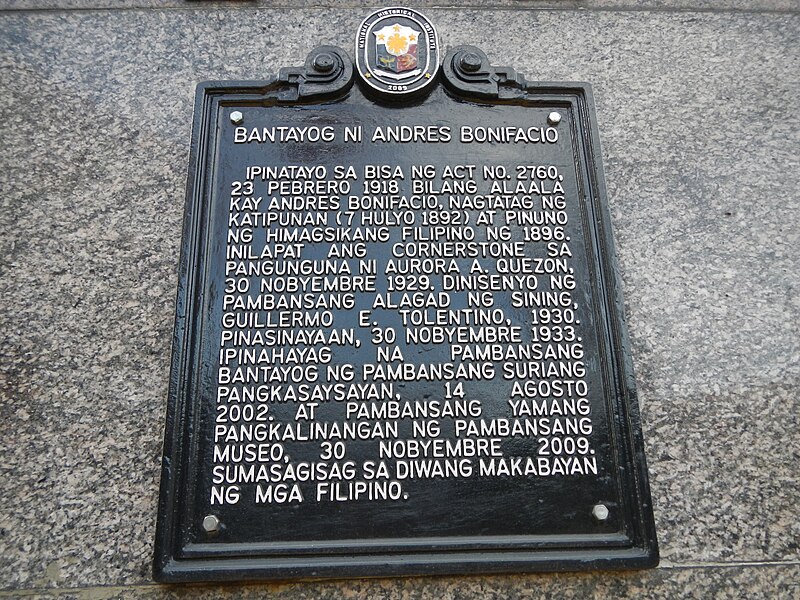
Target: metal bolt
{"type": "Point", "coordinates": [554, 118]}
{"type": "Point", "coordinates": [470, 62]}
{"type": "Point", "coordinates": [323, 62]}
{"type": "Point", "coordinates": [211, 523]}
{"type": "Point", "coordinates": [600, 512]}
{"type": "Point", "coordinates": [237, 117]}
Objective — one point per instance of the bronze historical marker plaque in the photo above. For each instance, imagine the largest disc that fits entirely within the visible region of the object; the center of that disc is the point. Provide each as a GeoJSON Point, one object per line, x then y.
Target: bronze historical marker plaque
{"type": "Point", "coordinates": [399, 343]}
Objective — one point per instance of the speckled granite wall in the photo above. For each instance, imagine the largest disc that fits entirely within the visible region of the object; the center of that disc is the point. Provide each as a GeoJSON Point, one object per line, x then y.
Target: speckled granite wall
{"type": "Point", "coordinates": [699, 117]}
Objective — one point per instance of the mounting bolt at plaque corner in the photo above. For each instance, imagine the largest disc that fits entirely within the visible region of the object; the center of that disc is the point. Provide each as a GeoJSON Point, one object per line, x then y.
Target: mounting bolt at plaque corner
{"type": "Point", "coordinates": [554, 118]}
{"type": "Point", "coordinates": [324, 62]}
{"type": "Point", "coordinates": [470, 62]}
{"type": "Point", "coordinates": [211, 523]}
{"type": "Point", "coordinates": [236, 117]}
{"type": "Point", "coordinates": [600, 512]}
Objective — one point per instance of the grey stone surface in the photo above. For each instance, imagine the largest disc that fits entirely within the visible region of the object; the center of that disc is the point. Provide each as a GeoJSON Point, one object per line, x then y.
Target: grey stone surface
{"type": "Point", "coordinates": [774, 582]}
{"type": "Point", "coordinates": [647, 5]}
{"type": "Point", "coordinates": [700, 124]}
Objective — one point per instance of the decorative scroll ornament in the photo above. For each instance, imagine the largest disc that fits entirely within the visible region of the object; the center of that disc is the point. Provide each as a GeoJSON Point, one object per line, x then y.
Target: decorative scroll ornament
{"type": "Point", "coordinates": [328, 71]}
{"type": "Point", "coordinates": [397, 51]}
{"type": "Point", "coordinates": [467, 71]}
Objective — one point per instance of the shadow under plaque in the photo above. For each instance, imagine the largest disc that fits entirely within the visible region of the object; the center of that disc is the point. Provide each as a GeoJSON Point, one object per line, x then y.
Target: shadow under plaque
{"type": "Point", "coordinates": [399, 344]}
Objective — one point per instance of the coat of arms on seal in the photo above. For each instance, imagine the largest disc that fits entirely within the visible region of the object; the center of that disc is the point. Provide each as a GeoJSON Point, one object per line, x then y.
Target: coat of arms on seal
{"type": "Point", "coordinates": [397, 51]}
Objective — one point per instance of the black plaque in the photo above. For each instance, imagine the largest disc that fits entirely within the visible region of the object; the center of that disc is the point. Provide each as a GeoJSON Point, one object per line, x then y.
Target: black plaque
{"type": "Point", "coordinates": [399, 344]}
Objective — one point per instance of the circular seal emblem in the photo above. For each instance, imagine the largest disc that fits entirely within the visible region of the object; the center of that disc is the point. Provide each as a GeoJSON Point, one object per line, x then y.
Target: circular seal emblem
{"type": "Point", "coordinates": [397, 50]}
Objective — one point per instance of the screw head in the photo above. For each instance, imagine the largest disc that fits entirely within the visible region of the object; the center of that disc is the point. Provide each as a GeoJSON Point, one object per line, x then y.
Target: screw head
{"type": "Point", "coordinates": [324, 62]}
{"type": "Point", "coordinates": [470, 62]}
{"type": "Point", "coordinates": [600, 512]}
{"type": "Point", "coordinates": [211, 523]}
{"type": "Point", "coordinates": [237, 117]}
{"type": "Point", "coordinates": [554, 118]}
